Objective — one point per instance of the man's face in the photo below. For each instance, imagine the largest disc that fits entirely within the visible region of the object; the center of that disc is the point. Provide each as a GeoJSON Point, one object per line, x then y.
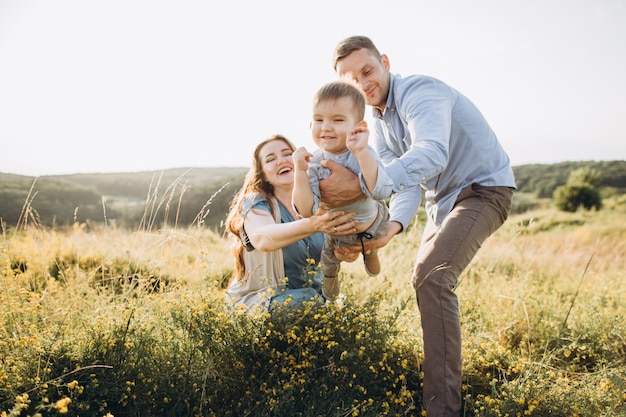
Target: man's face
{"type": "Point", "coordinates": [369, 74]}
{"type": "Point", "coordinates": [332, 121]}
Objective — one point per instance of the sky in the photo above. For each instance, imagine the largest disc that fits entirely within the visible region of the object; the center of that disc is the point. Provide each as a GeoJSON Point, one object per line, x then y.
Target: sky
{"type": "Point", "coordinates": [95, 86]}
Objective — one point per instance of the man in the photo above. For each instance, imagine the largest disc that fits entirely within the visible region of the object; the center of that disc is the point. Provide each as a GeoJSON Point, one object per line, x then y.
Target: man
{"type": "Point", "coordinates": [429, 134]}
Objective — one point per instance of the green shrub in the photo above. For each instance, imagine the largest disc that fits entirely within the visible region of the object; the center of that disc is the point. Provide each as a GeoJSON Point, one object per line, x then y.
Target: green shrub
{"type": "Point", "coordinates": [581, 190]}
{"type": "Point", "coordinates": [571, 197]}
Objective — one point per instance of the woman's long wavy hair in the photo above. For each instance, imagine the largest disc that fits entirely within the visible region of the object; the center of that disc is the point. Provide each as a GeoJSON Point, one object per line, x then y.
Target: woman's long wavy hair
{"type": "Point", "coordinates": [255, 182]}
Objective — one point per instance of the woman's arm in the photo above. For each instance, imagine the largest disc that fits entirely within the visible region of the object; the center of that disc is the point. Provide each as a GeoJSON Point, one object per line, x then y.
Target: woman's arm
{"type": "Point", "coordinates": [266, 235]}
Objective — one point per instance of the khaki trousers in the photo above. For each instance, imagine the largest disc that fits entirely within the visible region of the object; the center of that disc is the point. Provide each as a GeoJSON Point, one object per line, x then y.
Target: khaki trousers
{"type": "Point", "coordinates": [444, 253]}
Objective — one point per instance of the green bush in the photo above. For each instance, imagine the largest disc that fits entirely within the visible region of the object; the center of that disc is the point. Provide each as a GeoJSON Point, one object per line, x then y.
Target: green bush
{"type": "Point", "coordinates": [572, 197]}
{"type": "Point", "coordinates": [581, 190]}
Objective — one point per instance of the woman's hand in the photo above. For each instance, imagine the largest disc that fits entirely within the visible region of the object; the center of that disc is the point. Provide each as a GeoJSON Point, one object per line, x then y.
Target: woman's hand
{"type": "Point", "coordinates": [334, 222]}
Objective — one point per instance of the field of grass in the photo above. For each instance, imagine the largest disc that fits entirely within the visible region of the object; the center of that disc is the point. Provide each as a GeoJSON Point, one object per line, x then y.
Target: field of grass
{"type": "Point", "coordinates": [111, 322]}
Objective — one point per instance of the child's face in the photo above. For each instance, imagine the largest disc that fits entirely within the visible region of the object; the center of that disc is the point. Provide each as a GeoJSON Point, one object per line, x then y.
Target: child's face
{"type": "Point", "coordinates": [332, 121]}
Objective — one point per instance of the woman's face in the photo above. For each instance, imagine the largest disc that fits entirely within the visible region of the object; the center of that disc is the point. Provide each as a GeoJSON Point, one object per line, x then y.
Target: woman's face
{"type": "Point", "coordinates": [277, 163]}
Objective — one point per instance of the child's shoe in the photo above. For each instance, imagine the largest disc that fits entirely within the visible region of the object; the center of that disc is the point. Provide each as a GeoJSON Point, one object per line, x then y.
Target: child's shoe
{"type": "Point", "coordinates": [330, 288]}
{"type": "Point", "coordinates": [372, 264]}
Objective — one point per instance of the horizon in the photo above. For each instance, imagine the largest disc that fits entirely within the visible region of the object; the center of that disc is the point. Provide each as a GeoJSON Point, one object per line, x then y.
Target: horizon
{"type": "Point", "coordinates": [243, 167]}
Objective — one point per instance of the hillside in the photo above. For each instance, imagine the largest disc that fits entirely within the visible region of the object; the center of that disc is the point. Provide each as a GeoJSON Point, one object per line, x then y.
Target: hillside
{"type": "Point", "coordinates": [120, 198]}
{"type": "Point", "coordinates": [186, 195]}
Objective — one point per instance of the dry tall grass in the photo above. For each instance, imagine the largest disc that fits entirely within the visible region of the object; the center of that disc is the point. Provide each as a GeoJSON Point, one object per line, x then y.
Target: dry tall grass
{"type": "Point", "coordinates": [542, 310]}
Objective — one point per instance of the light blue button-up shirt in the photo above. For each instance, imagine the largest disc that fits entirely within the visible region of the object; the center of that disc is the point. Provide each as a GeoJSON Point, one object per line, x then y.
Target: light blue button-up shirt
{"type": "Point", "coordinates": [431, 135]}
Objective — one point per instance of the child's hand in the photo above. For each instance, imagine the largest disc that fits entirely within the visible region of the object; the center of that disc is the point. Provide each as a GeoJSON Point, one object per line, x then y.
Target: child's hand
{"type": "Point", "coordinates": [357, 139]}
{"type": "Point", "coordinates": [301, 158]}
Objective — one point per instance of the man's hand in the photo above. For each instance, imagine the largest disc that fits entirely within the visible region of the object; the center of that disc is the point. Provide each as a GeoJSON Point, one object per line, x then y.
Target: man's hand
{"type": "Point", "coordinates": [341, 188]}
{"type": "Point", "coordinates": [351, 253]}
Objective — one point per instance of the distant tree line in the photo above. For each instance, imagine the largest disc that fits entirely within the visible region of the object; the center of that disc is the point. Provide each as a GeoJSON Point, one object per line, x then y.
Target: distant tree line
{"type": "Point", "coordinates": [202, 196]}
{"type": "Point", "coordinates": [542, 180]}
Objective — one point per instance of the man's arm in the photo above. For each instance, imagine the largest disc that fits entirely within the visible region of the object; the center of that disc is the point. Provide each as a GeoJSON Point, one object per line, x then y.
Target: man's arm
{"type": "Point", "coordinates": [341, 187]}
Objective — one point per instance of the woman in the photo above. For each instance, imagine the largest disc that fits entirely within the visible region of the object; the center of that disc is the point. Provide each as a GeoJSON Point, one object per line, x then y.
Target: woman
{"type": "Point", "coordinates": [275, 255]}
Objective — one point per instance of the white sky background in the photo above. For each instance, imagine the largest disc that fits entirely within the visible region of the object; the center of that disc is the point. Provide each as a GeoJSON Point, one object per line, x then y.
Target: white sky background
{"type": "Point", "coordinates": [136, 85]}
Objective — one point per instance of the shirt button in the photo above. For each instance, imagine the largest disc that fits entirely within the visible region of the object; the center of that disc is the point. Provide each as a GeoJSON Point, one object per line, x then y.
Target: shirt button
{"type": "Point", "coordinates": [401, 187]}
